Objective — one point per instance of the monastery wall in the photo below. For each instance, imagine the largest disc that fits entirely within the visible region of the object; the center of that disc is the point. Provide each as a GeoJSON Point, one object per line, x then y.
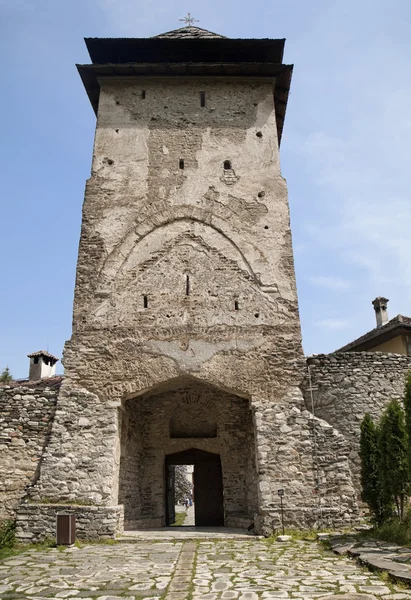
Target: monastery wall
{"type": "Point", "coordinates": [26, 417]}
{"type": "Point", "coordinates": [347, 385]}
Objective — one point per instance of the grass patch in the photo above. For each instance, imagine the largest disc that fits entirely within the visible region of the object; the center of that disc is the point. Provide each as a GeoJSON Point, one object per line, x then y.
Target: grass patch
{"type": "Point", "coordinates": [394, 530]}
{"type": "Point", "coordinates": [9, 547]}
{"type": "Point", "coordinates": [180, 518]}
{"type": "Point", "coordinates": [309, 535]}
{"type": "Point", "coordinates": [7, 538]}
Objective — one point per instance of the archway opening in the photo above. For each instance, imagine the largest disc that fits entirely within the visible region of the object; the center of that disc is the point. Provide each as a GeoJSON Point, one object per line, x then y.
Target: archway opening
{"type": "Point", "coordinates": [188, 422]}
{"type": "Point", "coordinates": [207, 498]}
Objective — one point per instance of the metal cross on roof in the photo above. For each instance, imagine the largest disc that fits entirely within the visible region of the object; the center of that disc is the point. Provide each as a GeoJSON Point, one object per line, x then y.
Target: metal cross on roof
{"type": "Point", "coordinates": [189, 20]}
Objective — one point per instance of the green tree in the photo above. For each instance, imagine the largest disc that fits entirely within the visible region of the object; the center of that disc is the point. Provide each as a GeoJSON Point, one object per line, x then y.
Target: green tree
{"type": "Point", "coordinates": [407, 407]}
{"type": "Point", "coordinates": [6, 376]}
{"type": "Point", "coordinates": [182, 484]}
{"type": "Point", "coordinates": [394, 455]}
{"type": "Point", "coordinates": [372, 492]}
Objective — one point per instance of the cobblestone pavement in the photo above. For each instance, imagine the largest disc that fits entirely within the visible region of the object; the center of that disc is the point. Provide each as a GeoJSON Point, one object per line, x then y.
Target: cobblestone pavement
{"type": "Point", "coordinates": [178, 570]}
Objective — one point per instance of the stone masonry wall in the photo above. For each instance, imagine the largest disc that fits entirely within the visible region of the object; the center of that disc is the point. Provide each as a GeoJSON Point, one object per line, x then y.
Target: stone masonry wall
{"type": "Point", "coordinates": [349, 384]}
{"type": "Point", "coordinates": [26, 417]}
{"type": "Point", "coordinates": [38, 522]}
{"type": "Point", "coordinates": [307, 458]}
{"type": "Point", "coordinates": [81, 455]}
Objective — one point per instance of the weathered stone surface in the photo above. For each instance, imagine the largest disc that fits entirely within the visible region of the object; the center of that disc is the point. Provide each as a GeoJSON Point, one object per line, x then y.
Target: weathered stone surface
{"type": "Point", "coordinates": [38, 521]}
{"type": "Point", "coordinates": [374, 554]}
{"type": "Point", "coordinates": [26, 417]}
{"type": "Point", "coordinates": [349, 384]}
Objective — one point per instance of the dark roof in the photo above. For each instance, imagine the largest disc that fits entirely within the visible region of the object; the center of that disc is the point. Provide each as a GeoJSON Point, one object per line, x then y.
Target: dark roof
{"type": "Point", "coordinates": [399, 325]}
{"type": "Point", "coordinates": [178, 49]}
{"type": "Point", "coordinates": [182, 56]}
{"type": "Point", "coordinates": [48, 382]}
{"type": "Point", "coordinates": [189, 32]}
{"type": "Point", "coordinates": [43, 353]}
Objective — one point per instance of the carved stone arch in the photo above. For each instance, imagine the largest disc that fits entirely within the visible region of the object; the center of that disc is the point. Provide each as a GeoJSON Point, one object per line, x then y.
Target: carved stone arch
{"type": "Point", "coordinates": [168, 237]}
{"type": "Point", "coordinates": [122, 251]}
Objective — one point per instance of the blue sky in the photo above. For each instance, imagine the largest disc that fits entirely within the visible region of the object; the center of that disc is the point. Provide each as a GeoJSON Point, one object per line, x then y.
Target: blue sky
{"type": "Point", "coordinates": [345, 154]}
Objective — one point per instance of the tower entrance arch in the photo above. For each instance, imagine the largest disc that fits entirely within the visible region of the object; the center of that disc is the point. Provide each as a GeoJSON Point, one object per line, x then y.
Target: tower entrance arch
{"type": "Point", "coordinates": [192, 423]}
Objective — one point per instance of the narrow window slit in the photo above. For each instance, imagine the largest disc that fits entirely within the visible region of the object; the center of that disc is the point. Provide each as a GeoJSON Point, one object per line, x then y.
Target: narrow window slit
{"type": "Point", "coordinates": [187, 285]}
{"type": "Point", "coordinates": [181, 163]}
{"type": "Point", "coordinates": [236, 306]}
{"type": "Point", "coordinates": [202, 99]}
{"type": "Point", "coordinates": [227, 165]}
{"type": "Point", "coordinates": [143, 94]}
{"type": "Point", "coordinates": [145, 301]}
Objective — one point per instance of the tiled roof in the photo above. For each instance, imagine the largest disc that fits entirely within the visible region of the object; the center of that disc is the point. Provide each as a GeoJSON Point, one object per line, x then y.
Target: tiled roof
{"type": "Point", "coordinates": [189, 33]}
{"type": "Point", "coordinates": [42, 353]}
{"type": "Point", "coordinates": [394, 327]}
{"type": "Point", "coordinates": [48, 382]}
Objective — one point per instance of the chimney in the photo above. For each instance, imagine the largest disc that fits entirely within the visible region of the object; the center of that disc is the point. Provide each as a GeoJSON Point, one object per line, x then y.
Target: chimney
{"type": "Point", "coordinates": [381, 313]}
{"type": "Point", "coordinates": [42, 365]}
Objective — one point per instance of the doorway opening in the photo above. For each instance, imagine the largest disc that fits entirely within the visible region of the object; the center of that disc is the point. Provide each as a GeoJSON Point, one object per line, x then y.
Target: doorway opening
{"type": "Point", "coordinates": [206, 508]}
{"type": "Point", "coordinates": [181, 486]}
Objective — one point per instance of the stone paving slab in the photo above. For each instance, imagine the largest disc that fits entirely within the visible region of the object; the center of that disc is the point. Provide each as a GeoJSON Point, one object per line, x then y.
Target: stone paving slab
{"type": "Point", "coordinates": [227, 569]}
{"type": "Point", "coordinates": [375, 554]}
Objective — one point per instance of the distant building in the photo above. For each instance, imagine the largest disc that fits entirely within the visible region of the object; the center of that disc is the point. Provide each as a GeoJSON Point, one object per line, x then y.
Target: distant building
{"type": "Point", "coordinates": [388, 336]}
{"type": "Point", "coordinates": [42, 365]}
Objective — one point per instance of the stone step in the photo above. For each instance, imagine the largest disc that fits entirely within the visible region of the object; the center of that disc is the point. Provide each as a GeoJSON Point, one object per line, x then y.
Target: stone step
{"type": "Point", "coordinates": [186, 534]}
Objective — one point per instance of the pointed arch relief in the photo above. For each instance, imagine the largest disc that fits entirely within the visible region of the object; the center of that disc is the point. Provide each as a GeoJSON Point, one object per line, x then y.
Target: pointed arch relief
{"type": "Point", "coordinates": [138, 240]}
{"type": "Point", "coordinates": [183, 272]}
{"type": "Point", "coordinates": [160, 240]}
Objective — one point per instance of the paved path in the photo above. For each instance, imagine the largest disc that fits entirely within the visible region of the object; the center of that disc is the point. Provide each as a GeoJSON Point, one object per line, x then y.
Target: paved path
{"type": "Point", "coordinates": [168, 534]}
{"type": "Point", "coordinates": [190, 519]}
{"type": "Point", "coordinates": [210, 570]}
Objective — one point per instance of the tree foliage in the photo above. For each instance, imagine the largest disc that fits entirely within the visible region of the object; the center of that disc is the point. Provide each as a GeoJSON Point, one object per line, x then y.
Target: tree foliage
{"type": "Point", "coordinates": [407, 407]}
{"type": "Point", "coordinates": [371, 484]}
{"type": "Point", "coordinates": [6, 376]}
{"type": "Point", "coordinates": [394, 455]}
{"type": "Point", "coordinates": [182, 484]}
{"type": "Point", "coordinates": [386, 457]}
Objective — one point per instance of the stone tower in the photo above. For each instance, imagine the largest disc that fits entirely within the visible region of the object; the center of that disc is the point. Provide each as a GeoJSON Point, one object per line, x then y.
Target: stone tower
{"type": "Point", "coordinates": [186, 344]}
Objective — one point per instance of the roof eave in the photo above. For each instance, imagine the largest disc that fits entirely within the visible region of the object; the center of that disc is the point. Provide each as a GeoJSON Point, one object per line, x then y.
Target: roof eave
{"type": "Point", "coordinates": [376, 337]}
{"type": "Point", "coordinates": [120, 50]}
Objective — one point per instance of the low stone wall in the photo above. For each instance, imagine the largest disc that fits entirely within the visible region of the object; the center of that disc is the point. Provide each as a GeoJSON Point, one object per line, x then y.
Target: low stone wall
{"type": "Point", "coordinates": [348, 385]}
{"type": "Point", "coordinates": [36, 522]}
{"type": "Point", "coordinates": [311, 460]}
{"type": "Point", "coordinates": [26, 417]}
